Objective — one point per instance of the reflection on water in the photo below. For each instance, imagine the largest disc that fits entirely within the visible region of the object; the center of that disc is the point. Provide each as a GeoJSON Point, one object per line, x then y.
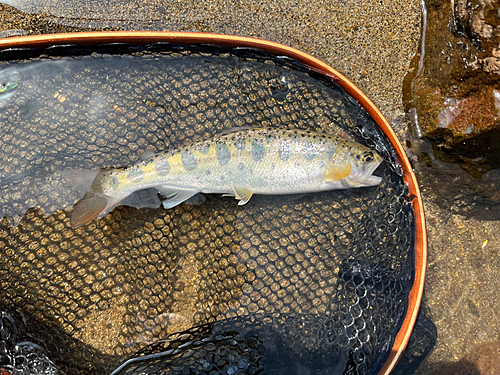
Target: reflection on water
{"type": "Point", "coordinates": [336, 267]}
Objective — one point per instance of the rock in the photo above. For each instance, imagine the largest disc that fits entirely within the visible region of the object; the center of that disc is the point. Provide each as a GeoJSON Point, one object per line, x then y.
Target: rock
{"type": "Point", "coordinates": [454, 97]}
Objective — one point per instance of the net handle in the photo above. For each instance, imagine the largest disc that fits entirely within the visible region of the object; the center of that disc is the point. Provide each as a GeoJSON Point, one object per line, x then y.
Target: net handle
{"type": "Point", "coordinates": [148, 37]}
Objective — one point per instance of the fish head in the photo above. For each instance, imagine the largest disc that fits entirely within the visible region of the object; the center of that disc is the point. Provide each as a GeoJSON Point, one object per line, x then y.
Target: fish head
{"type": "Point", "coordinates": [364, 162]}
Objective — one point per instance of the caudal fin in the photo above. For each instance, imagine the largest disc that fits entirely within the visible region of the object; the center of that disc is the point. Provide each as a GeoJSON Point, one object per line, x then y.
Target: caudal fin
{"type": "Point", "coordinates": [88, 208]}
{"type": "Point", "coordinates": [80, 179]}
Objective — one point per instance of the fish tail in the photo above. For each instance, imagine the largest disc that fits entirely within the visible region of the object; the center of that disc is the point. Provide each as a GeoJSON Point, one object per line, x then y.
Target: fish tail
{"type": "Point", "coordinates": [94, 202]}
{"type": "Point", "coordinates": [80, 179]}
{"type": "Point", "coordinates": [89, 208]}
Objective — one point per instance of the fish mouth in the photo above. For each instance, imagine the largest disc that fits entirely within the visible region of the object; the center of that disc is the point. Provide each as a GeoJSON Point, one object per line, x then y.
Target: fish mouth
{"type": "Point", "coordinates": [369, 178]}
{"type": "Point", "coordinates": [373, 167]}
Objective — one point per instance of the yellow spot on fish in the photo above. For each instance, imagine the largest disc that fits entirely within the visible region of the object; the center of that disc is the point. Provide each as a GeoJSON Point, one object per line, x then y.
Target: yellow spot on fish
{"type": "Point", "coordinates": [117, 109]}
{"type": "Point", "coordinates": [484, 244]}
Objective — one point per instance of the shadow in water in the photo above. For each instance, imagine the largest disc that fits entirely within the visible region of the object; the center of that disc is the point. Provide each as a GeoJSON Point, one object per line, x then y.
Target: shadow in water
{"type": "Point", "coordinates": [38, 345]}
{"type": "Point", "coordinates": [483, 359]}
{"type": "Point", "coordinates": [452, 188]}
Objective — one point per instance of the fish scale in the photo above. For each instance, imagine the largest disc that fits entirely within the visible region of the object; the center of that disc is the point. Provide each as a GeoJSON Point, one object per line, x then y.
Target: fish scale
{"type": "Point", "coordinates": [253, 161]}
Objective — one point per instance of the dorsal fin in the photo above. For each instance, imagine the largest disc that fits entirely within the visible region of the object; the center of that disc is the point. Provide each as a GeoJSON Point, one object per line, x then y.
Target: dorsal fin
{"type": "Point", "coordinates": [147, 155]}
{"type": "Point", "coordinates": [237, 129]}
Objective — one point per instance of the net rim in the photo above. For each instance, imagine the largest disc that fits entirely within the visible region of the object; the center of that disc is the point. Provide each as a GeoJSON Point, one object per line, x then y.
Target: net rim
{"type": "Point", "coordinates": [191, 38]}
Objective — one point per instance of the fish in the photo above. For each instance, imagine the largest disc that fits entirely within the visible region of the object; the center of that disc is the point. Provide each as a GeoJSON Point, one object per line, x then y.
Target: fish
{"type": "Point", "coordinates": [267, 161]}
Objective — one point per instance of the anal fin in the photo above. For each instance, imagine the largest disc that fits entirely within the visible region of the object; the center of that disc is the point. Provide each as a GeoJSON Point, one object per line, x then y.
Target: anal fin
{"type": "Point", "coordinates": [196, 199]}
{"type": "Point", "coordinates": [242, 194]}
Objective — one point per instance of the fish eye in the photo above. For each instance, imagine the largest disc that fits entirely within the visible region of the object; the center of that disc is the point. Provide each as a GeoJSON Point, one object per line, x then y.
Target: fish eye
{"type": "Point", "coordinates": [368, 157]}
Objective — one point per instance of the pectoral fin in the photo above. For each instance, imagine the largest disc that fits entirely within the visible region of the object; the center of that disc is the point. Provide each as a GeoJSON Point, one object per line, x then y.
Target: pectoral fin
{"type": "Point", "coordinates": [166, 191]}
{"type": "Point", "coordinates": [242, 194]}
{"type": "Point", "coordinates": [337, 172]}
{"type": "Point", "coordinates": [175, 196]}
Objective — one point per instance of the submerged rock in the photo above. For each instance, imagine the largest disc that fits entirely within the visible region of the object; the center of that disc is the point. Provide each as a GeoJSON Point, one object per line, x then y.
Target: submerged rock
{"type": "Point", "coordinates": [453, 90]}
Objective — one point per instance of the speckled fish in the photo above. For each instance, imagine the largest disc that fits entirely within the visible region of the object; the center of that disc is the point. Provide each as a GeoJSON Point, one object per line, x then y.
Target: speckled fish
{"type": "Point", "coordinates": [239, 164]}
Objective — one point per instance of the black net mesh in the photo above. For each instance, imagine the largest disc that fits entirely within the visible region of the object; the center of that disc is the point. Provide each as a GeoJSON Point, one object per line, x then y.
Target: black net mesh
{"type": "Point", "coordinates": [311, 284]}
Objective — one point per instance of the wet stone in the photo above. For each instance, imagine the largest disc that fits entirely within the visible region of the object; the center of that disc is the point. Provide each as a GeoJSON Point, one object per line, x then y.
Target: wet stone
{"type": "Point", "coordinates": [454, 97]}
